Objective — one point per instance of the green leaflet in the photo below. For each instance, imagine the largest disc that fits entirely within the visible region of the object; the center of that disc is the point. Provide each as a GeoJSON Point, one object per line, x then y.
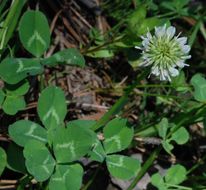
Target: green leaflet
{"type": "Point", "coordinates": [52, 107]}
{"type": "Point", "coordinates": [66, 177]}
{"type": "Point", "coordinates": [23, 131]}
{"type": "Point", "coordinates": [17, 89]}
{"type": "Point", "coordinates": [69, 56]}
{"type": "Point", "coordinates": [13, 70]}
{"type": "Point", "coordinates": [71, 143]}
{"type": "Point", "coordinates": [158, 181]}
{"type": "Point", "coordinates": [12, 104]}
{"type": "Point", "coordinates": [39, 161]}
{"type": "Point", "coordinates": [163, 127]}
{"type": "Point", "coordinates": [181, 136]}
{"type": "Point", "coordinates": [122, 167]}
{"type": "Point", "coordinates": [199, 84]}
{"type": "Point", "coordinates": [34, 32]}
{"type": "Point", "coordinates": [97, 153]}
{"type": "Point", "coordinates": [81, 123]}
{"type": "Point", "coordinates": [175, 175]}
{"type": "Point", "coordinates": [12, 99]}
{"type": "Point", "coordinates": [118, 135]}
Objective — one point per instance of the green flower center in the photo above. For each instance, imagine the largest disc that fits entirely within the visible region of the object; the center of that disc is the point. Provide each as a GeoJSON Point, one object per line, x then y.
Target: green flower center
{"type": "Point", "coordinates": [164, 51]}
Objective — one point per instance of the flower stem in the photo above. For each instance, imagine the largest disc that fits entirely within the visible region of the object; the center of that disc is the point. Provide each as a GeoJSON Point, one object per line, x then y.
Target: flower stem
{"type": "Point", "coordinates": [119, 104]}
{"type": "Point", "coordinates": [145, 167]}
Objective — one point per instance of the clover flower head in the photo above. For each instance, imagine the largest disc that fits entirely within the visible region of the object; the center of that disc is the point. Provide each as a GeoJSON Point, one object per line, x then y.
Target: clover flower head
{"type": "Point", "coordinates": [164, 52]}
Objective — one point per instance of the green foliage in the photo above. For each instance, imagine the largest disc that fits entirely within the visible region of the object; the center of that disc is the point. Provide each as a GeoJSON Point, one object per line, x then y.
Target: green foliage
{"type": "Point", "coordinates": [50, 149]}
{"type": "Point", "coordinates": [81, 123]}
{"type": "Point", "coordinates": [67, 177]}
{"type": "Point", "coordinates": [76, 141]}
{"type": "Point", "coordinates": [176, 6]}
{"type": "Point", "coordinates": [163, 127]}
{"type": "Point", "coordinates": [174, 176]}
{"type": "Point", "coordinates": [97, 153]}
{"type": "Point", "coordinates": [122, 167]}
{"type": "Point", "coordinates": [137, 16]}
{"type": "Point", "coordinates": [12, 104]}
{"type": "Point", "coordinates": [23, 131]}
{"type": "Point", "coordinates": [138, 24]}
{"type": "Point", "coordinates": [69, 56]}
{"type": "Point", "coordinates": [34, 32]}
{"type": "Point", "coordinates": [35, 36]}
{"type": "Point", "coordinates": [52, 107]}
{"type": "Point", "coordinates": [17, 89]}
{"type": "Point", "coordinates": [39, 161]}
{"type": "Point", "coordinates": [8, 26]}
{"type": "Point", "coordinates": [11, 97]}
{"type": "Point", "coordinates": [167, 133]}
{"type": "Point", "coordinates": [148, 24]}
{"type": "Point", "coordinates": [3, 161]}
{"type": "Point", "coordinates": [114, 8]}
{"type": "Point", "coordinates": [118, 135]}
{"type": "Point", "coordinates": [180, 136]}
{"type": "Point", "coordinates": [103, 53]}
{"type": "Point", "coordinates": [13, 70]}
{"type": "Point", "coordinates": [158, 181]}
{"type": "Point", "coordinates": [199, 84]}
{"type": "Point", "coordinates": [179, 83]}
{"type": "Point", "coordinates": [69, 144]}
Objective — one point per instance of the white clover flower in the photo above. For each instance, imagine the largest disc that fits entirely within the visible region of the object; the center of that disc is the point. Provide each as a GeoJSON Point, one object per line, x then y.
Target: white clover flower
{"type": "Point", "coordinates": [164, 52]}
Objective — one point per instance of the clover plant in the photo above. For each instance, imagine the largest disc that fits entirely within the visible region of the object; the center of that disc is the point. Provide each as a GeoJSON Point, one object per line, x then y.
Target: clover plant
{"type": "Point", "coordinates": [53, 152]}
{"type": "Point", "coordinates": [173, 177]}
{"type": "Point", "coordinates": [50, 151]}
{"type": "Point", "coordinates": [35, 37]}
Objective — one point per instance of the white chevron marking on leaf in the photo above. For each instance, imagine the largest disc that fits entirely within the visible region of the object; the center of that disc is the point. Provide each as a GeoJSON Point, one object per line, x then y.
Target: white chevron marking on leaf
{"type": "Point", "coordinates": [57, 179]}
{"type": "Point", "coordinates": [46, 169]}
{"type": "Point", "coordinates": [31, 131]}
{"type": "Point", "coordinates": [69, 145]}
{"type": "Point", "coordinates": [46, 160]}
{"type": "Point", "coordinates": [36, 36]}
{"type": "Point", "coordinates": [21, 67]}
{"type": "Point", "coordinates": [97, 153]}
{"type": "Point", "coordinates": [117, 164]}
{"type": "Point", "coordinates": [63, 178]}
{"type": "Point", "coordinates": [52, 112]}
{"type": "Point", "coordinates": [116, 139]}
